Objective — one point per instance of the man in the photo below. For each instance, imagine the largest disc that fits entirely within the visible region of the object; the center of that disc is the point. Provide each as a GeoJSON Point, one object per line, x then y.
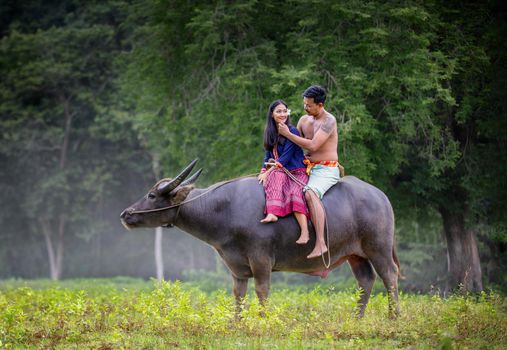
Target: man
{"type": "Point", "coordinates": [320, 139]}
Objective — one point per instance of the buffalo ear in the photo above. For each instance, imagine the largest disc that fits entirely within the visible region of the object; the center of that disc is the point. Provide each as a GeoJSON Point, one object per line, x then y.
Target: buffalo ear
{"type": "Point", "coordinates": [181, 193]}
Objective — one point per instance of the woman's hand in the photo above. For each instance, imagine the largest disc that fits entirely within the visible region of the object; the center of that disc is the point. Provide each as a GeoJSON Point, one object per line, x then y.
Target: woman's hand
{"type": "Point", "coordinates": [262, 177]}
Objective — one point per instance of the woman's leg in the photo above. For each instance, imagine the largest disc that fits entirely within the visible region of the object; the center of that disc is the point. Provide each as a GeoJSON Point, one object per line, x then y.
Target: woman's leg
{"type": "Point", "coordinates": [269, 218]}
{"type": "Point", "coordinates": [303, 223]}
{"type": "Point", "coordinates": [272, 188]}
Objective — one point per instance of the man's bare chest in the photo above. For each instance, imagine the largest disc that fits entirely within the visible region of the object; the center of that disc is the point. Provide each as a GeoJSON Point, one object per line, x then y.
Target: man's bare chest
{"type": "Point", "coordinates": [310, 128]}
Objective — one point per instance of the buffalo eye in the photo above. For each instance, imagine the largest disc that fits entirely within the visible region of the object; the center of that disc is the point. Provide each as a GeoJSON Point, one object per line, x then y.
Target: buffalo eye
{"type": "Point", "coordinates": [151, 196]}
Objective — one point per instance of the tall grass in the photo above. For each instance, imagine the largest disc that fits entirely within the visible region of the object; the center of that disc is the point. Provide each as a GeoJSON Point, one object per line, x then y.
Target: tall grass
{"type": "Point", "coordinates": [109, 314]}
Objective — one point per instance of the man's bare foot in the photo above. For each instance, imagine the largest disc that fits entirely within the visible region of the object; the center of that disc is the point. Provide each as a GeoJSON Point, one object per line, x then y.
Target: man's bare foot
{"type": "Point", "coordinates": [303, 238]}
{"type": "Point", "coordinates": [317, 251]}
{"type": "Point", "coordinates": [270, 218]}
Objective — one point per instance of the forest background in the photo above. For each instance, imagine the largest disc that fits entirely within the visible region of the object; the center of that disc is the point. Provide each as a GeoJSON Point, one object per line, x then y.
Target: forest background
{"type": "Point", "coordinates": [99, 99]}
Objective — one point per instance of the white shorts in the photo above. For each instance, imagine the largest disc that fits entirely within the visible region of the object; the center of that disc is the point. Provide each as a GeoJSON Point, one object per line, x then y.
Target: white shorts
{"type": "Point", "coordinates": [322, 178]}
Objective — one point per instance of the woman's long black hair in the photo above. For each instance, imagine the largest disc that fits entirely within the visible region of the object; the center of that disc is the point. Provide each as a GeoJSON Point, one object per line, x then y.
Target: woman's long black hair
{"type": "Point", "coordinates": [271, 136]}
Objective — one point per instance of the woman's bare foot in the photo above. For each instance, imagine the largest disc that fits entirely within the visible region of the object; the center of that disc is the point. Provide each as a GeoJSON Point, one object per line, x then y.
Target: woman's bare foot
{"type": "Point", "coordinates": [270, 218]}
{"type": "Point", "coordinates": [317, 251]}
{"type": "Point", "coordinates": [303, 238]}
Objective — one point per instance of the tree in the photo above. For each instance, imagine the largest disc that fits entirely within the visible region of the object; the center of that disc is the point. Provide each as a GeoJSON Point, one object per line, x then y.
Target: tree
{"type": "Point", "coordinates": [417, 89]}
{"type": "Point", "coordinates": [57, 79]}
{"type": "Point", "coordinates": [471, 36]}
{"type": "Point", "coordinates": [458, 190]}
{"type": "Point", "coordinates": [413, 83]}
{"type": "Point", "coordinates": [393, 70]}
{"type": "Point", "coordinates": [201, 78]}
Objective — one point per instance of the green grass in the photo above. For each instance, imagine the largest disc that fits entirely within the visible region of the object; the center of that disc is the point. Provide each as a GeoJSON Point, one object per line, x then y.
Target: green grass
{"type": "Point", "coordinates": [132, 314]}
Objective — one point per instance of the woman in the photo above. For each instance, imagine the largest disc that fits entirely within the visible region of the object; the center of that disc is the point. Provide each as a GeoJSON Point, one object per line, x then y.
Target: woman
{"type": "Point", "coordinates": [284, 195]}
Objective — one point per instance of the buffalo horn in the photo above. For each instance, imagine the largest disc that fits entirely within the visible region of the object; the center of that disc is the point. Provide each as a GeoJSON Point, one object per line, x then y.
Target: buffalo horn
{"type": "Point", "coordinates": [178, 179]}
{"type": "Point", "coordinates": [192, 178]}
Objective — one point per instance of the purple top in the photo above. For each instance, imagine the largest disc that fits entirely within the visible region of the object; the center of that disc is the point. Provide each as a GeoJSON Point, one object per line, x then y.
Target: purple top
{"type": "Point", "coordinates": [290, 155]}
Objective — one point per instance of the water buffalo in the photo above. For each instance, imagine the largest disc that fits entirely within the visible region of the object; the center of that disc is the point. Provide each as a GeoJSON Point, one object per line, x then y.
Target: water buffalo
{"type": "Point", "coordinates": [226, 216]}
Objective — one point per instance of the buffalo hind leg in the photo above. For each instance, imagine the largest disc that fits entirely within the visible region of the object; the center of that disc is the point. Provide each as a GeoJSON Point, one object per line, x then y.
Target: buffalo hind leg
{"type": "Point", "coordinates": [365, 277]}
{"type": "Point", "coordinates": [388, 272]}
{"type": "Point", "coordinates": [239, 289]}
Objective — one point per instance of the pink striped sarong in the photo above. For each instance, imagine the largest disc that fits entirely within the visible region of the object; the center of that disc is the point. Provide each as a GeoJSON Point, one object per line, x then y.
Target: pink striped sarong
{"type": "Point", "coordinates": [283, 195]}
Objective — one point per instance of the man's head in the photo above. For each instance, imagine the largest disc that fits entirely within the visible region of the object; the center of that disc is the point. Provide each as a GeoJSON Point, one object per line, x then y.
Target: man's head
{"type": "Point", "coordinates": [313, 99]}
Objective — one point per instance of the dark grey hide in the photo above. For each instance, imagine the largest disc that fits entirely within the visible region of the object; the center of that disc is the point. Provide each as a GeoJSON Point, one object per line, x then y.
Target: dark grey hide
{"type": "Point", "coordinates": [360, 220]}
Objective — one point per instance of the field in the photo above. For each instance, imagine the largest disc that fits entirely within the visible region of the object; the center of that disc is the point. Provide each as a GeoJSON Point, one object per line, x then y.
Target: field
{"type": "Point", "coordinates": [133, 314]}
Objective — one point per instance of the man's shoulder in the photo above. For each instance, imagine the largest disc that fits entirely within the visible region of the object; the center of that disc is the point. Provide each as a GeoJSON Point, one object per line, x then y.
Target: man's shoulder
{"type": "Point", "coordinates": [305, 119]}
{"type": "Point", "coordinates": [330, 116]}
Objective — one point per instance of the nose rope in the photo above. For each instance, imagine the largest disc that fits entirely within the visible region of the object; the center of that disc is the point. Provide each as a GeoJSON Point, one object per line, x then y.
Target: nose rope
{"type": "Point", "coordinates": [220, 184]}
{"type": "Point", "coordinates": [327, 264]}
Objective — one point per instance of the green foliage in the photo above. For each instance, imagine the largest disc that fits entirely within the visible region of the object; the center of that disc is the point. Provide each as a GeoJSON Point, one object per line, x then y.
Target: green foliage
{"type": "Point", "coordinates": [418, 89]}
{"type": "Point", "coordinates": [388, 82]}
{"type": "Point", "coordinates": [409, 82]}
{"type": "Point", "coordinates": [175, 315]}
{"type": "Point", "coordinates": [208, 94]}
{"type": "Point", "coordinates": [57, 89]}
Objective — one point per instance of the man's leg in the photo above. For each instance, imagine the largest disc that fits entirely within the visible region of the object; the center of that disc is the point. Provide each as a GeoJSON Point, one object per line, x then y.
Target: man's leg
{"type": "Point", "coordinates": [318, 217]}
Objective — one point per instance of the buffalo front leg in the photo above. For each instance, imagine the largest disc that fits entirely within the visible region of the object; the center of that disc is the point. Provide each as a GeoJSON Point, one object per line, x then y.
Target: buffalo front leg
{"type": "Point", "coordinates": [365, 277]}
{"type": "Point", "coordinates": [239, 289]}
{"type": "Point", "coordinates": [262, 278]}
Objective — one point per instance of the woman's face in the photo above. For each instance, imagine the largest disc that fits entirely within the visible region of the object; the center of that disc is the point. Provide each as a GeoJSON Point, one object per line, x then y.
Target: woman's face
{"type": "Point", "coordinates": [280, 114]}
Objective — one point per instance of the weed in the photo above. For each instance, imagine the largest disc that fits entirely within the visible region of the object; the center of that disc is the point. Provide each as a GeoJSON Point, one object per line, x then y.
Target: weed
{"type": "Point", "coordinates": [96, 315]}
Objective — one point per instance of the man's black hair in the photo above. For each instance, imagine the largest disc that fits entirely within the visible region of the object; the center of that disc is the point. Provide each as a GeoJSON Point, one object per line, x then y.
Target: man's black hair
{"type": "Point", "coordinates": [316, 92]}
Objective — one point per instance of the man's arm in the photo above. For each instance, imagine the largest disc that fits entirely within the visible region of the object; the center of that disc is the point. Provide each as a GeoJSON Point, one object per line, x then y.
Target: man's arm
{"type": "Point", "coordinates": [318, 139]}
{"type": "Point", "coordinates": [300, 127]}
{"type": "Point", "coordinates": [289, 149]}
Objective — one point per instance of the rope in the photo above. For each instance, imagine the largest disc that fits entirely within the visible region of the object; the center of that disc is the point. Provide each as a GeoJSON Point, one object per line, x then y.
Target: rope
{"type": "Point", "coordinates": [220, 184]}
{"type": "Point", "coordinates": [293, 178]}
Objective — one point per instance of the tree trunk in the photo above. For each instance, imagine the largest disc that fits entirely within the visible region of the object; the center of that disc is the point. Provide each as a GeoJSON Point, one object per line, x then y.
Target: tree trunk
{"type": "Point", "coordinates": [60, 245]}
{"type": "Point", "coordinates": [46, 230]}
{"type": "Point", "coordinates": [159, 262]}
{"type": "Point", "coordinates": [462, 253]}
{"type": "Point", "coordinates": [55, 257]}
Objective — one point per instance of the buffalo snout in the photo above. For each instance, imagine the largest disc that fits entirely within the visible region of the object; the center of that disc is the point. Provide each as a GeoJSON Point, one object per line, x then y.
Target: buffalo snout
{"type": "Point", "coordinates": [127, 212]}
{"type": "Point", "coordinates": [127, 219]}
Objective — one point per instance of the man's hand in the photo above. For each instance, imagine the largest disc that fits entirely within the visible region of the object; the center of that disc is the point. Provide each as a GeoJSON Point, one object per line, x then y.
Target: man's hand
{"type": "Point", "coordinates": [283, 129]}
